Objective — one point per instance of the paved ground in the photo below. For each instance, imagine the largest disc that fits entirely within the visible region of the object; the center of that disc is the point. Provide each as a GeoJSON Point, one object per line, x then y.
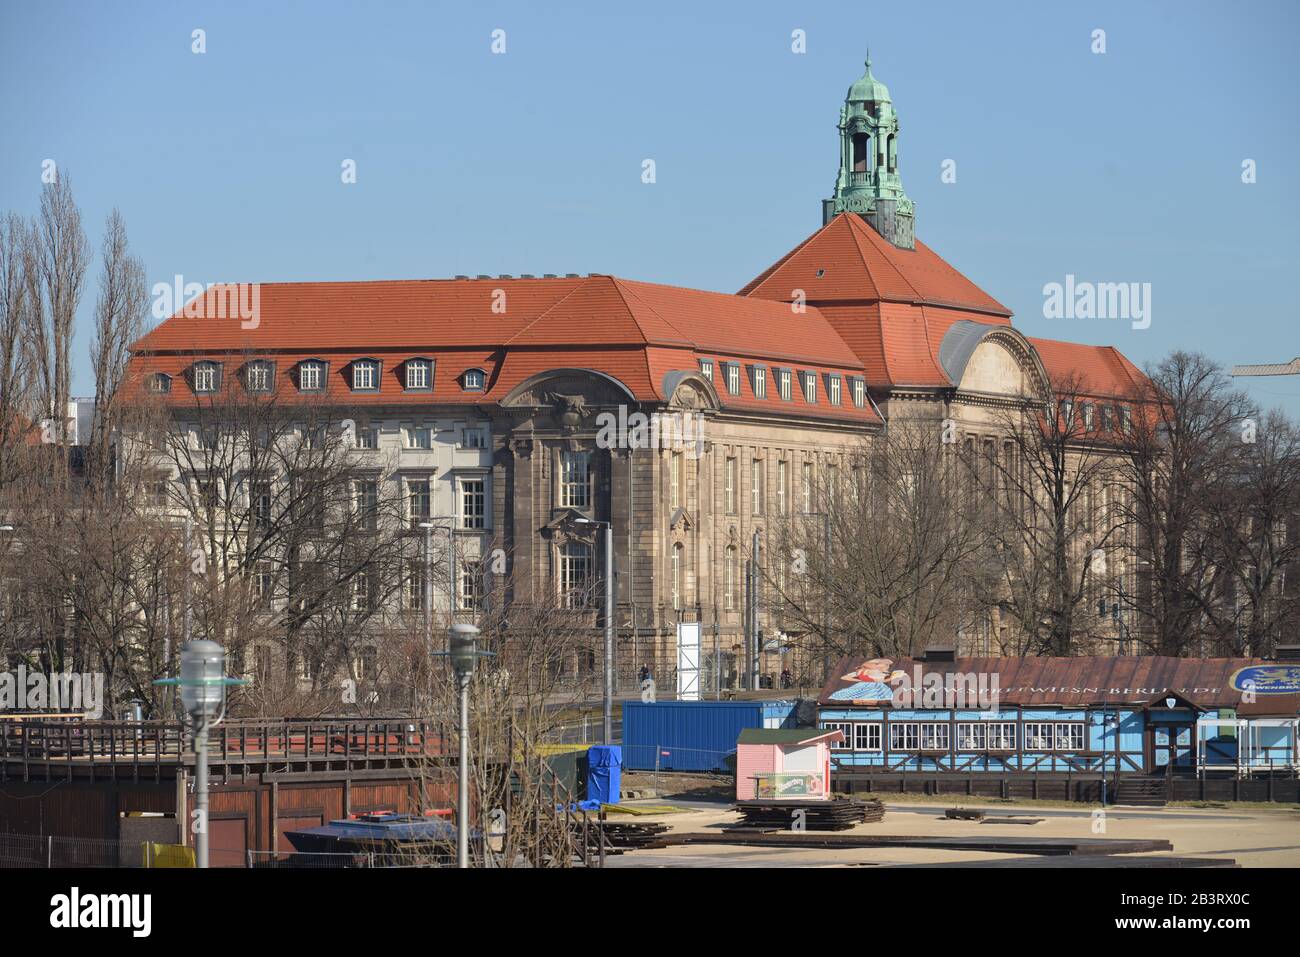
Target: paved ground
{"type": "Point", "coordinates": [1253, 838]}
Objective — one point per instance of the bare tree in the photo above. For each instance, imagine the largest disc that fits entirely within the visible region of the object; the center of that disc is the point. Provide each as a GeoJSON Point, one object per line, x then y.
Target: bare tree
{"type": "Point", "coordinates": [1051, 486]}
{"type": "Point", "coordinates": [1182, 446]}
{"type": "Point", "coordinates": [58, 256]}
{"type": "Point", "coordinates": [119, 321]}
{"type": "Point", "coordinates": [890, 563]}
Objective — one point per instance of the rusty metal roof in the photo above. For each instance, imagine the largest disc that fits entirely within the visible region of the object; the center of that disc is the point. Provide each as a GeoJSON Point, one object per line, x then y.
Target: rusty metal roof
{"type": "Point", "coordinates": [1206, 682]}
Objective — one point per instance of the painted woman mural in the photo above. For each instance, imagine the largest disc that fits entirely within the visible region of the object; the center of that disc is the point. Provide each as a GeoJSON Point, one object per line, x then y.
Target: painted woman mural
{"type": "Point", "coordinates": [871, 681]}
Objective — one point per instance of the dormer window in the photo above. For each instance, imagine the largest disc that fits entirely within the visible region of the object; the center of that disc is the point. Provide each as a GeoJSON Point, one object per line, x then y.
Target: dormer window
{"type": "Point", "coordinates": [759, 382]}
{"type": "Point", "coordinates": [311, 376]}
{"type": "Point", "coordinates": [733, 378]}
{"type": "Point", "coordinates": [810, 387]}
{"type": "Point", "coordinates": [784, 384]}
{"type": "Point", "coordinates": [418, 374]}
{"type": "Point", "coordinates": [706, 369]}
{"type": "Point", "coordinates": [472, 380]}
{"type": "Point", "coordinates": [258, 376]}
{"type": "Point", "coordinates": [833, 389]}
{"type": "Point", "coordinates": [859, 391]}
{"type": "Point", "coordinates": [159, 382]}
{"type": "Point", "coordinates": [365, 375]}
{"type": "Point", "coordinates": [207, 375]}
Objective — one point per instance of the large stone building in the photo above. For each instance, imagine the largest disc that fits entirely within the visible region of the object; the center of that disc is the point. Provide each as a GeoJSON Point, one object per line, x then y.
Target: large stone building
{"type": "Point", "coordinates": [492, 398]}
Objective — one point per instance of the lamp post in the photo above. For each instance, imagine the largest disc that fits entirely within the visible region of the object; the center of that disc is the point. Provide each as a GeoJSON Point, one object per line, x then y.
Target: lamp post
{"type": "Point", "coordinates": [607, 699]}
{"type": "Point", "coordinates": [462, 650]}
{"type": "Point", "coordinates": [203, 684]}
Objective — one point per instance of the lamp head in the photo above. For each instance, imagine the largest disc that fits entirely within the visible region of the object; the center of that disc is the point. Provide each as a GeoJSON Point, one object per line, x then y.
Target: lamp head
{"type": "Point", "coordinates": [203, 678]}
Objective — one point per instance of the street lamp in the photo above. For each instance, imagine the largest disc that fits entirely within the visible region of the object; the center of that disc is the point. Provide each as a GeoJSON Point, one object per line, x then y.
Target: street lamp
{"type": "Point", "coordinates": [462, 650]}
{"type": "Point", "coordinates": [203, 684]}
{"type": "Point", "coordinates": [607, 699]}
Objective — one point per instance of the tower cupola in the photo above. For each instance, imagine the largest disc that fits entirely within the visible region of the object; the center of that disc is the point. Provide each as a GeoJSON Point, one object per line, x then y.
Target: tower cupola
{"type": "Point", "coordinates": [869, 184]}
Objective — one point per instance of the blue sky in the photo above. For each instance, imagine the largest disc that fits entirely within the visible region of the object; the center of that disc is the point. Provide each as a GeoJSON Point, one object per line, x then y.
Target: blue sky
{"type": "Point", "coordinates": [1124, 166]}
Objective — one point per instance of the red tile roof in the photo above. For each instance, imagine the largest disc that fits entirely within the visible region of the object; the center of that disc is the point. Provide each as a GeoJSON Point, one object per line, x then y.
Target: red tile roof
{"type": "Point", "coordinates": [857, 264]}
{"type": "Point", "coordinates": [633, 331]}
{"type": "Point", "coordinates": [1101, 371]}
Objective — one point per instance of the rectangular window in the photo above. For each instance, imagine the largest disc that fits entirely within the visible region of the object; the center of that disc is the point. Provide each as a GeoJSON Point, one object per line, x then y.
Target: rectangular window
{"type": "Point", "coordinates": [1088, 415]}
{"type": "Point", "coordinates": [361, 591]}
{"type": "Point", "coordinates": [368, 439]}
{"type": "Point", "coordinates": [575, 479]}
{"type": "Point", "coordinates": [205, 377]}
{"type": "Point", "coordinates": [417, 501]}
{"type": "Point", "coordinates": [415, 584]}
{"type": "Point", "coordinates": [474, 438]}
{"type": "Point", "coordinates": [733, 378]}
{"type": "Point", "coordinates": [934, 736]}
{"type": "Point", "coordinates": [844, 728]}
{"type": "Point", "coordinates": [866, 736]}
{"type": "Point", "coordinates": [810, 387]}
{"type": "Point", "coordinates": [473, 504]}
{"type": "Point", "coordinates": [1038, 736]}
{"type": "Point", "coordinates": [261, 503]}
{"type": "Point", "coordinates": [367, 499]}
{"type": "Point", "coordinates": [575, 575]}
{"type": "Point", "coordinates": [729, 486]}
{"type": "Point", "coordinates": [904, 736]}
{"type": "Point", "coordinates": [706, 369]}
{"type": "Point", "coordinates": [756, 487]}
{"type": "Point", "coordinates": [782, 486]}
{"type": "Point", "coordinates": [729, 581]}
{"type": "Point", "coordinates": [159, 492]}
{"type": "Point", "coordinates": [420, 437]}
{"type": "Point", "coordinates": [417, 374]}
{"type": "Point", "coordinates": [470, 593]}
{"type": "Point", "coordinates": [263, 583]}
{"type": "Point", "coordinates": [859, 392]}
{"type": "Point", "coordinates": [365, 375]}
{"type": "Point", "coordinates": [474, 380]}
{"type": "Point", "coordinates": [760, 382]}
{"type": "Point", "coordinates": [1002, 736]}
{"type": "Point", "coordinates": [807, 488]}
{"type": "Point", "coordinates": [972, 736]}
{"type": "Point", "coordinates": [675, 479]}
{"type": "Point", "coordinates": [311, 376]}
{"type": "Point", "coordinates": [1069, 737]}
{"type": "Point", "coordinates": [783, 382]}
{"type": "Point", "coordinates": [833, 389]}
{"type": "Point", "coordinates": [258, 377]}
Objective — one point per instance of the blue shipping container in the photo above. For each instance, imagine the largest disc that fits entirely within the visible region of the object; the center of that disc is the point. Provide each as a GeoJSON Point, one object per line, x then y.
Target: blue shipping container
{"type": "Point", "coordinates": [694, 735]}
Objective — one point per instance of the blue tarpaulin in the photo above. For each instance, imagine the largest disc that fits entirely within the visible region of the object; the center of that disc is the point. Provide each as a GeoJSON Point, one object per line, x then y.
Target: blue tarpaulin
{"type": "Point", "coordinates": [604, 764]}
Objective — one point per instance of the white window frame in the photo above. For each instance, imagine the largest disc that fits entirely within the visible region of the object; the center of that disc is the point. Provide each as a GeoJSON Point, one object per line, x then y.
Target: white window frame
{"type": "Point", "coordinates": [207, 376]}
{"type": "Point", "coordinates": [706, 369]}
{"type": "Point", "coordinates": [418, 375]}
{"type": "Point", "coordinates": [575, 588]}
{"type": "Point", "coordinates": [833, 389]}
{"type": "Point", "coordinates": [785, 384]}
{"type": "Point", "coordinates": [863, 732]}
{"type": "Point", "coordinates": [733, 378]}
{"type": "Point", "coordinates": [473, 380]}
{"type": "Point", "coordinates": [311, 376]}
{"type": "Point", "coordinates": [472, 499]}
{"type": "Point", "coordinates": [417, 433]}
{"type": "Point", "coordinates": [575, 489]}
{"type": "Point", "coordinates": [1073, 734]}
{"type": "Point", "coordinates": [411, 485]}
{"type": "Point", "coordinates": [729, 485]}
{"type": "Point", "coordinates": [259, 376]}
{"type": "Point", "coordinates": [756, 487]}
{"type": "Point", "coordinates": [760, 382]}
{"type": "Point", "coordinates": [1038, 736]}
{"type": "Point", "coordinates": [859, 391]}
{"type": "Point", "coordinates": [365, 375]}
{"type": "Point", "coordinates": [846, 729]}
{"type": "Point", "coordinates": [810, 387]}
{"type": "Point", "coordinates": [473, 438]}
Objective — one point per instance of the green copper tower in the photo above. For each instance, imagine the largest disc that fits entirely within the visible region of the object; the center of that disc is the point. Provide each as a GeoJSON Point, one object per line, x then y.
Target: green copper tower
{"type": "Point", "coordinates": [868, 183]}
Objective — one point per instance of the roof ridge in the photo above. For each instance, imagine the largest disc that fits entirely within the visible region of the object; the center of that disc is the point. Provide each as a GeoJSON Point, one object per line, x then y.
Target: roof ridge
{"type": "Point", "coordinates": [624, 292]}
{"type": "Point", "coordinates": [555, 305]}
{"type": "Point", "coordinates": [916, 293]}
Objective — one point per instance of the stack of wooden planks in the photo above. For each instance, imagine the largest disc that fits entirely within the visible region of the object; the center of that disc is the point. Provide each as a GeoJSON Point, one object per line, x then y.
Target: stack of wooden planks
{"type": "Point", "coordinates": [839, 814]}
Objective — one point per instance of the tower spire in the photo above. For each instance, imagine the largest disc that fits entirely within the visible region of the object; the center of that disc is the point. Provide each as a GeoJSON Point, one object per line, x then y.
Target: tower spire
{"type": "Point", "coordinates": [868, 184]}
